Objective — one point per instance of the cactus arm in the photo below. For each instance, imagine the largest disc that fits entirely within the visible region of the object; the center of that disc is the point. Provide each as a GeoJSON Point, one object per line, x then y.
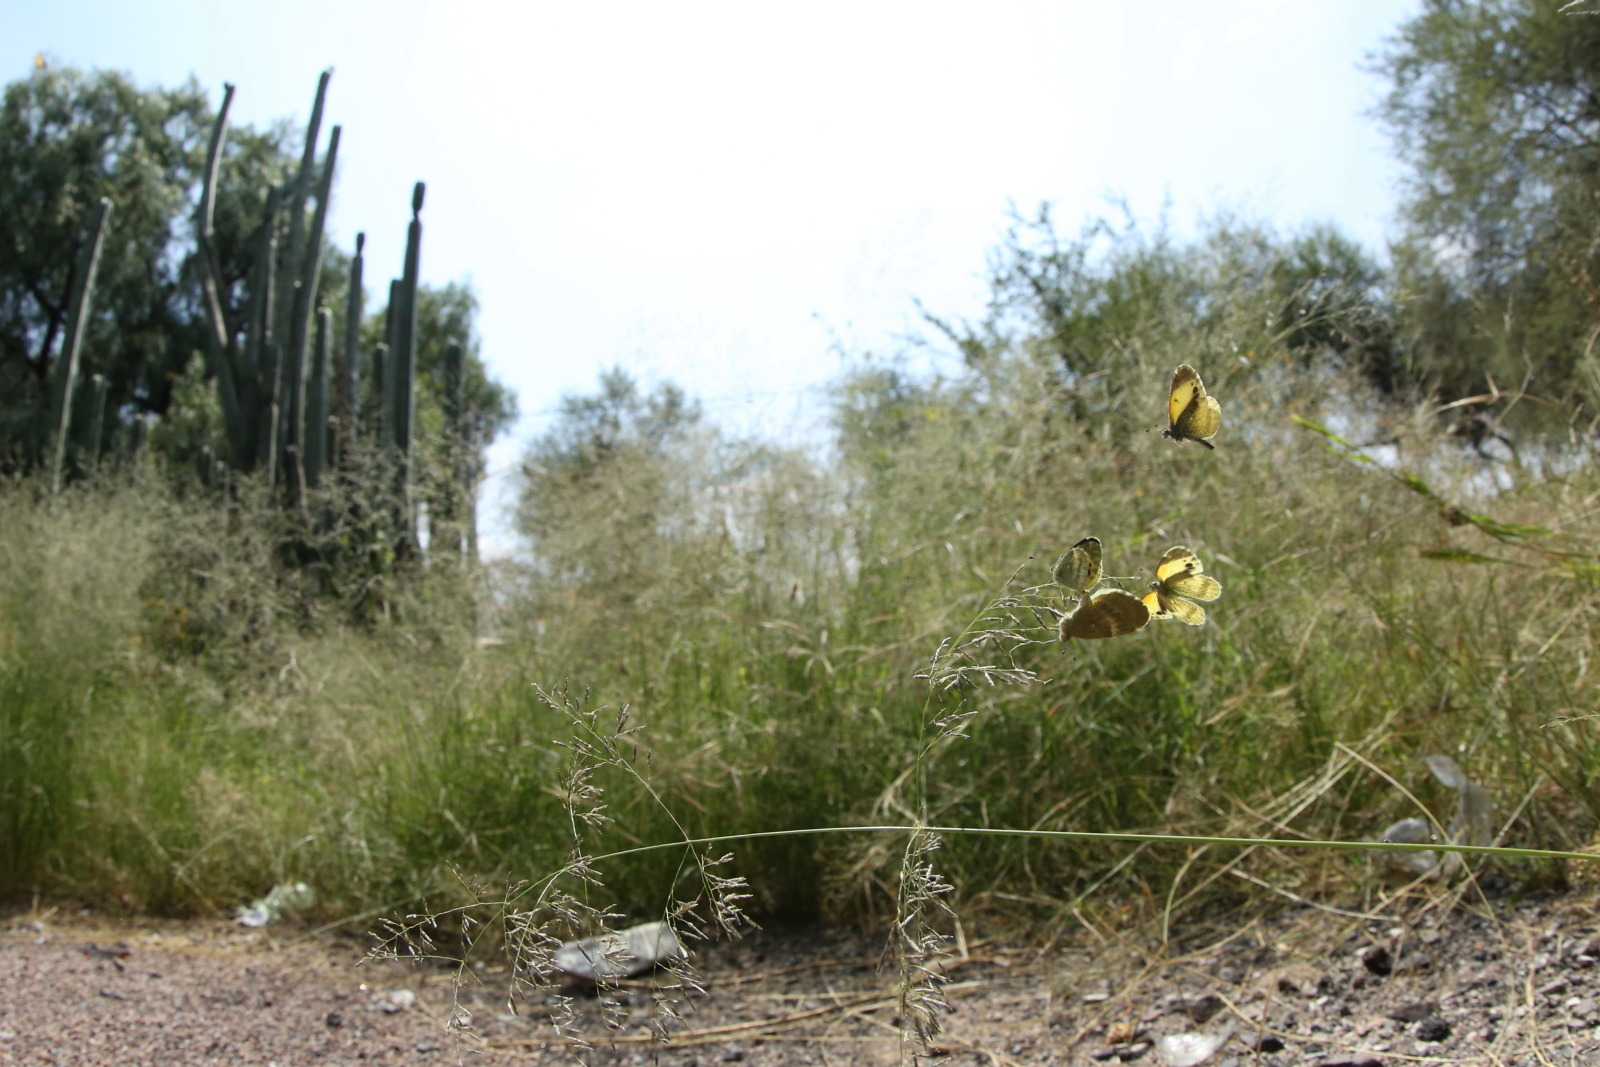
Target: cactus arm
{"type": "Point", "coordinates": [64, 374]}
{"type": "Point", "coordinates": [298, 192]}
{"type": "Point", "coordinates": [316, 453]}
{"type": "Point", "coordinates": [257, 321]}
{"type": "Point", "coordinates": [219, 337]}
{"type": "Point", "coordinates": [391, 343]}
{"type": "Point", "coordinates": [305, 296]}
{"type": "Point", "coordinates": [406, 332]}
{"type": "Point", "coordinates": [349, 407]}
{"type": "Point", "coordinates": [304, 300]}
{"type": "Point", "coordinates": [380, 390]}
{"type": "Point", "coordinates": [267, 431]}
{"type": "Point", "coordinates": [97, 418]}
{"type": "Point", "coordinates": [445, 529]}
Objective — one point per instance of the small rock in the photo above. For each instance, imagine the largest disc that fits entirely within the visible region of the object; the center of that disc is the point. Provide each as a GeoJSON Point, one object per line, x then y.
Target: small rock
{"type": "Point", "coordinates": [334, 1020]}
{"type": "Point", "coordinates": [1410, 1013]}
{"type": "Point", "coordinates": [119, 951]}
{"type": "Point", "coordinates": [733, 1055]}
{"type": "Point", "coordinates": [1122, 1033]}
{"type": "Point", "coordinates": [394, 1001]}
{"type": "Point", "coordinates": [1433, 1028]}
{"type": "Point", "coordinates": [1376, 959]}
{"type": "Point", "coordinates": [1413, 961]}
{"type": "Point", "coordinates": [1202, 1008]}
{"type": "Point", "coordinates": [1124, 1053]}
{"type": "Point", "coordinates": [426, 1047]}
{"type": "Point", "coordinates": [1554, 988]}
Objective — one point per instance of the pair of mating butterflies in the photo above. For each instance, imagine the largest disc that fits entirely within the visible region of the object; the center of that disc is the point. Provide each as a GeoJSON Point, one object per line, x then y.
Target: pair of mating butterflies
{"type": "Point", "coordinates": [1179, 583]}
{"type": "Point", "coordinates": [1193, 416]}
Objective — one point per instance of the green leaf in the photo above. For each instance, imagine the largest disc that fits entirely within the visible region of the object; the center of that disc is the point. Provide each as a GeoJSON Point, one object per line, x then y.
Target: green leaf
{"type": "Point", "coordinates": [1458, 555]}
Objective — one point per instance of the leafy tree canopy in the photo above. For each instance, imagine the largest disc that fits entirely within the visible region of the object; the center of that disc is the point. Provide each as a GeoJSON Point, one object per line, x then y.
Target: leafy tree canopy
{"type": "Point", "coordinates": [596, 491]}
{"type": "Point", "coordinates": [67, 139]}
{"type": "Point", "coordinates": [1496, 107]}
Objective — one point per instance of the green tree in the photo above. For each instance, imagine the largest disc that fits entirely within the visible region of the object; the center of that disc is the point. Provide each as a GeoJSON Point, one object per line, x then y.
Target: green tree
{"type": "Point", "coordinates": [1496, 107]}
{"type": "Point", "coordinates": [66, 139]}
{"type": "Point", "coordinates": [1335, 303]}
{"type": "Point", "coordinates": [453, 442]}
{"type": "Point", "coordinates": [603, 488]}
{"type": "Point", "coordinates": [448, 315]}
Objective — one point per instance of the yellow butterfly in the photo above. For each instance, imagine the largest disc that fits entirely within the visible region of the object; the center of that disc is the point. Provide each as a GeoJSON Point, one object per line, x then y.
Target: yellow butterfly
{"type": "Point", "coordinates": [1178, 583]}
{"type": "Point", "coordinates": [1078, 569]}
{"type": "Point", "coordinates": [1194, 416]}
{"type": "Point", "coordinates": [1109, 614]}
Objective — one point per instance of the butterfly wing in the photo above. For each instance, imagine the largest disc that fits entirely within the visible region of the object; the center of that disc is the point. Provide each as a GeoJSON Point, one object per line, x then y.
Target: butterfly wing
{"type": "Point", "coordinates": [1186, 390]}
{"type": "Point", "coordinates": [1179, 575]}
{"type": "Point", "coordinates": [1201, 420]}
{"type": "Point", "coordinates": [1187, 611]}
{"type": "Point", "coordinates": [1194, 586]}
{"type": "Point", "coordinates": [1079, 567]}
{"type": "Point", "coordinates": [1191, 414]}
{"type": "Point", "coordinates": [1178, 560]}
{"type": "Point", "coordinates": [1111, 614]}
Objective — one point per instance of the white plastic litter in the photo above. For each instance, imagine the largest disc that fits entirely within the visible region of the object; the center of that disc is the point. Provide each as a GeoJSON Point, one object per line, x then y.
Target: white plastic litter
{"type": "Point", "coordinates": [1408, 864]}
{"type": "Point", "coordinates": [1186, 1050]}
{"type": "Point", "coordinates": [619, 955]}
{"type": "Point", "coordinates": [283, 899]}
{"type": "Point", "coordinates": [1473, 825]}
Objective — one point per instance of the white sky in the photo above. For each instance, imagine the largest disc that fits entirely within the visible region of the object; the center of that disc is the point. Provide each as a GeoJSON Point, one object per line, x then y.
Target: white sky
{"type": "Point", "coordinates": [714, 193]}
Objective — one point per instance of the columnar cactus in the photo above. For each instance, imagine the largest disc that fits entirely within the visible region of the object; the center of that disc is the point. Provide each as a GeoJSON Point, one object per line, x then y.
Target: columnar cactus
{"type": "Point", "coordinates": [278, 391]}
{"type": "Point", "coordinates": [294, 252]}
{"type": "Point", "coordinates": [317, 401]}
{"type": "Point", "coordinates": [348, 407]}
{"type": "Point", "coordinates": [220, 338]}
{"type": "Point", "coordinates": [445, 509]}
{"type": "Point", "coordinates": [299, 430]}
{"type": "Point", "coordinates": [380, 389]}
{"type": "Point", "coordinates": [262, 389]}
{"type": "Point", "coordinates": [267, 443]}
{"type": "Point", "coordinates": [405, 367]}
{"type": "Point", "coordinates": [97, 419]}
{"type": "Point", "coordinates": [391, 345]}
{"type": "Point", "coordinates": [261, 366]}
{"type": "Point", "coordinates": [64, 373]}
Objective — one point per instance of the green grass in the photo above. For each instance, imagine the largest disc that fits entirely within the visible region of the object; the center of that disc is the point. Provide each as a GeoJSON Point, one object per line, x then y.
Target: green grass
{"type": "Point", "coordinates": [179, 731]}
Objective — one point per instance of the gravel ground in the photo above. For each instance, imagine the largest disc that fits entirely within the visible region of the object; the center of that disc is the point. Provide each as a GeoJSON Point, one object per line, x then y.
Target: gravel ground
{"type": "Point", "coordinates": [1506, 984]}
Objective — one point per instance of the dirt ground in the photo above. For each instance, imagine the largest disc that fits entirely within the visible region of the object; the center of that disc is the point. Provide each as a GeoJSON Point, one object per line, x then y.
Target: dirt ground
{"type": "Point", "coordinates": [1503, 983]}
